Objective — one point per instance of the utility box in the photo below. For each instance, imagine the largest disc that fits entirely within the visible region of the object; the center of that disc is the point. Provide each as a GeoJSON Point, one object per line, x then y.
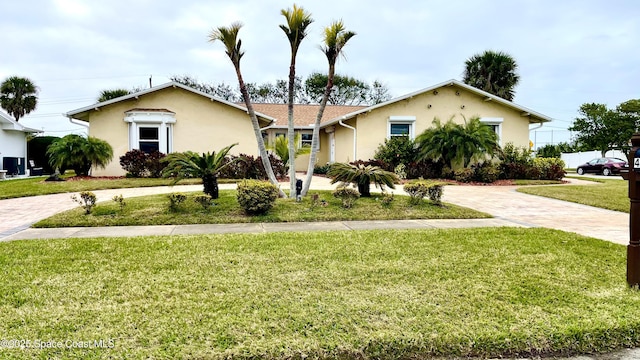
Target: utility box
{"type": "Point", "coordinates": [13, 165]}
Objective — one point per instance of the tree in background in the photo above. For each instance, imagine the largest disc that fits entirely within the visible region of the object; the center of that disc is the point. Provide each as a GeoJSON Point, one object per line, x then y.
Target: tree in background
{"type": "Point", "coordinates": [351, 91]}
{"type": "Point", "coordinates": [79, 153]}
{"type": "Point", "coordinates": [221, 90]}
{"type": "Point", "coordinates": [106, 95]}
{"type": "Point", "coordinates": [493, 72]}
{"type": "Point", "coordinates": [603, 129]}
{"type": "Point", "coordinates": [298, 20]}
{"type": "Point", "coordinates": [18, 96]}
{"type": "Point", "coordinates": [334, 41]}
{"type": "Point", "coordinates": [229, 38]}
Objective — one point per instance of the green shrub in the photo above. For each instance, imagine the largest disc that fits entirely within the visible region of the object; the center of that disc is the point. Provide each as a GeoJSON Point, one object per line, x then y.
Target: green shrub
{"type": "Point", "coordinates": [418, 190]}
{"type": "Point", "coordinates": [386, 200]}
{"type": "Point", "coordinates": [321, 169]}
{"type": "Point", "coordinates": [395, 151]}
{"type": "Point", "coordinates": [464, 175]}
{"type": "Point", "coordinates": [486, 172]}
{"type": "Point", "coordinates": [175, 199]}
{"type": "Point", "coordinates": [362, 174]}
{"type": "Point", "coordinates": [549, 168]}
{"type": "Point", "coordinates": [256, 197]}
{"type": "Point", "coordinates": [516, 162]}
{"type": "Point", "coordinates": [204, 200]}
{"type": "Point", "coordinates": [347, 195]}
{"type": "Point", "coordinates": [87, 201]}
{"type": "Point", "coordinates": [118, 199]}
{"type": "Point", "coordinates": [434, 192]}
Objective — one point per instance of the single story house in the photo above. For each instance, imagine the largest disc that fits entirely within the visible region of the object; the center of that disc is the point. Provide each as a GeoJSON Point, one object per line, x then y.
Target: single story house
{"type": "Point", "coordinates": [13, 146]}
{"type": "Point", "coordinates": [174, 117]}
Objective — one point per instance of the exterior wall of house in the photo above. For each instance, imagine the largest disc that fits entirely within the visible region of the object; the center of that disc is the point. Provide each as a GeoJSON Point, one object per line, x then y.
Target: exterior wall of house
{"type": "Point", "coordinates": [12, 144]}
{"type": "Point", "coordinates": [302, 161]}
{"type": "Point", "coordinates": [372, 127]}
{"type": "Point", "coordinates": [201, 125]}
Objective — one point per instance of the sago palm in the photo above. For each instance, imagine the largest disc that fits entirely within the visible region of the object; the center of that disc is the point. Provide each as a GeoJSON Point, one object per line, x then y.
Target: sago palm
{"type": "Point", "coordinates": [281, 148]}
{"type": "Point", "coordinates": [362, 176]}
{"type": "Point", "coordinates": [206, 167]}
{"type": "Point", "coordinates": [335, 39]}
{"type": "Point", "coordinates": [229, 38]}
{"type": "Point", "coordinates": [298, 20]}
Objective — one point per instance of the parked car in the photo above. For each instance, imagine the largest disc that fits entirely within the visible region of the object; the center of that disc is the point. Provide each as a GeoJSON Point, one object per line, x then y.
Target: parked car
{"type": "Point", "coordinates": [605, 166]}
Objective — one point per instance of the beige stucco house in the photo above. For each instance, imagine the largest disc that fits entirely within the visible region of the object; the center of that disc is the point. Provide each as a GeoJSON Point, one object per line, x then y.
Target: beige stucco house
{"type": "Point", "coordinates": [173, 117]}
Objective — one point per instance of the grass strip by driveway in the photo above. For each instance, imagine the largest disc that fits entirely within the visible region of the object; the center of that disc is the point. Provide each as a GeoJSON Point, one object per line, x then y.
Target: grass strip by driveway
{"type": "Point", "coordinates": [352, 295]}
{"type": "Point", "coordinates": [37, 186]}
{"type": "Point", "coordinates": [606, 194]}
{"type": "Point", "coordinates": [154, 210]}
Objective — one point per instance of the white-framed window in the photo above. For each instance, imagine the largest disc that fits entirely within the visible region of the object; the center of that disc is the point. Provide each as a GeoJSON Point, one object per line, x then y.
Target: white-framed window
{"type": "Point", "coordinates": [305, 139]}
{"type": "Point", "coordinates": [496, 125]}
{"type": "Point", "coordinates": [401, 126]}
{"type": "Point", "coordinates": [150, 130]}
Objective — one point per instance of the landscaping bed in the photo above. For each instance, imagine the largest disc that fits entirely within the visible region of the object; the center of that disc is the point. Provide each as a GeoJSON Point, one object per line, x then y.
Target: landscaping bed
{"type": "Point", "coordinates": [154, 210]}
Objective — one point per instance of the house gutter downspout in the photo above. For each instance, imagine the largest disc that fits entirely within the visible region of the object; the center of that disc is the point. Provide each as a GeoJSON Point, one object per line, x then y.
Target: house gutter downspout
{"type": "Point", "coordinates": [79, 122]}
{"type": "Point", "coordinates": [354, 138]}
{"type": "Point", "coordinates": [537, 127]}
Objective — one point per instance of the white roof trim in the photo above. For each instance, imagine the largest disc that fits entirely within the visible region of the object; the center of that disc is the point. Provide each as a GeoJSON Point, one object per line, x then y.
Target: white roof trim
{"type": "Point", "coordinates": [470, 88]}
{"type": "Point", "coordinates": [8, 123]}
{"type": "Point", "coordinates": [174, 84]}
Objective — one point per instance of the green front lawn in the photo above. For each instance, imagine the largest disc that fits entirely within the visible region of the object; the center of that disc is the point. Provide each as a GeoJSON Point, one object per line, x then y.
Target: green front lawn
{"type": "Point", "coordinates": [361, 294]}
{"type": "Point", "coordinates": [606, 194]}
{"type": "Point", "coordinates": [154, 210]}
{"type": "Point", "coordinates": [37, 186]}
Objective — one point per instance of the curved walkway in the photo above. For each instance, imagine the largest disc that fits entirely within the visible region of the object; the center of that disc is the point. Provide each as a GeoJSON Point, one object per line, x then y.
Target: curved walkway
{"type": "Point", "coordinates": [509, 208]}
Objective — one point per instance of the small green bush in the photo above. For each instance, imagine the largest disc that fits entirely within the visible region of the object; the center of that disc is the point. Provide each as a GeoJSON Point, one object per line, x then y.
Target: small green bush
{"type": "Point", "coordinates": [321, 169]}
{"type": "Point", "coordinates": [204, 200]}
{"type": "Point", "coordinates": [175, 199]}
{"type": "Point", "coordinates": [87, 201]}
{"type": "Point", "coordinates": [464, 175]}
{"type": "Point", "coordinates": [549, 168]}
{"type": "Point", "coordinates": [347, 195]}
{"type": "Point", "coordinates": [256, 197]}
{"type": "Point", "coordinates": [386, 200]}
{"type": "Point", "coordinates": [418, 190]}
{"type": "Point", "coordinates": [486, 172]}
{"type": "Point", "coordinates": [119, 199]}
{"type": "Point", "coordinates": [401, 171]}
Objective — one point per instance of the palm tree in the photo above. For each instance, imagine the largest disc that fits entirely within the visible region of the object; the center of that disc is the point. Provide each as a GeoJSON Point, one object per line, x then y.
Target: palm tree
{"type": "Point", "coordinates": [296, 30]}
{"type": "Point", "coordinates": [281, 148]}
{"type": "Point", "coordinates": [79, 153]}
{"type": "Point", "coordinates": [362, 176]}
{"type": "Point", "coordinates": [229, 38]}
{"type": "Point", "coordinates": [335, 38]}
{"type": "Point", "coordinates": [206, 166]}
{"type": "Point", "coordinates": [457, 145]}
{"type": "Point", "coordinates": [18, 96]}
{"type": "Point", "coordinates": [112, 94]}
{"type": "Point", "coordinates": [493, 72]}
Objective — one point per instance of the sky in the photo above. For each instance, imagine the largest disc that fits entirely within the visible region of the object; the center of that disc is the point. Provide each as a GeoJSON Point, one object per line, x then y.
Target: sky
{"type": "Point", "coordinates": [568, 52]}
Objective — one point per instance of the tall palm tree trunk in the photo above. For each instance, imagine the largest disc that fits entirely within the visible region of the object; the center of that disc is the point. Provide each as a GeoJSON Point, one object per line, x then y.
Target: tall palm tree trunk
{"type": "Point", "coordinates": [256, 129]}
{"type": "Point", "coordinates": [315, 139]}
{"type": "Point", "coordinates": [291, 130]}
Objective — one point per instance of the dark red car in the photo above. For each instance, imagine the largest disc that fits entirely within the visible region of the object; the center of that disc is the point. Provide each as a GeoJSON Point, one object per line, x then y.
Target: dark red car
{"type": "Point", "coordinates": [605, 166]}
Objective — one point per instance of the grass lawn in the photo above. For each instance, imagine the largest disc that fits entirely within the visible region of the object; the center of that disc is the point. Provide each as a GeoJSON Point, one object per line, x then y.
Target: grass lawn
{"type": "Point", "coordinates": [37, 186]}
{"type": "Point", "coordinates": [607, 194]}
{"type": "Point", "coordinates": [352, 295]}
{"type": "Point", "coordinates": [154, 210]}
